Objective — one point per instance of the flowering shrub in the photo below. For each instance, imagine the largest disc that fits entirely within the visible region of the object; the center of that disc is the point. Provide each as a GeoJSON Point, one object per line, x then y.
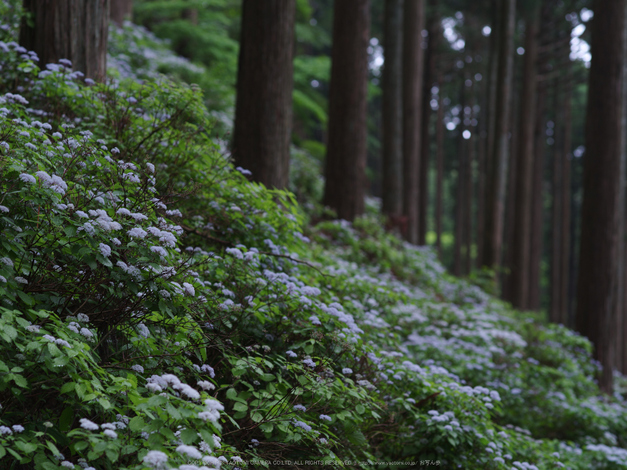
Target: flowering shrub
{"type": "Point", "coordinates": [157, 310]}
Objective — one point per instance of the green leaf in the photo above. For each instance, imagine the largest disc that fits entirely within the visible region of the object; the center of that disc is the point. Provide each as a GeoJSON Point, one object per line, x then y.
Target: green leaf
{"type": "Point", "coordinates": [189, 436]}
{"type": "Point", "coordinates": [68, 387]}
{"type": "Point", "coordinates": [26, 447]}
{"type": "Point", "coordinates": [360, 409]}
{"type": "Point", "coordinates": [256, 417]}
{"type": "Point", "coordinates": [156, 400]}
{"type": "Point", "coordinates": [8, 333]}
{"type": "Point", "coordinates": [2, 452]}
{"type": "Point", "coordinates": [112, 455]}
{"type": "Point", "coordinates": [172, 411]}
{"type": "Point", "coordinates": [240, 406]}
{"type": "Point", "coordinates": [268, 377]}
{"type": "Point", "coordinates": [66, 419]}
{"type": "Point", "coordinates": [106, 404]}
{"type": "Point", "coordinates": [137, 424]}
{"type": "Point", "coordinates": [231, 394]}
{"type": "Point", "coordinates": [80, 445]}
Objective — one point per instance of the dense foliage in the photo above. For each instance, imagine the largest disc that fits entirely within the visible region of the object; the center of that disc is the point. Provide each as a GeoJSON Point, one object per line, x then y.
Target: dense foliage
{"type": "Point", "coordinates": [157, 310]}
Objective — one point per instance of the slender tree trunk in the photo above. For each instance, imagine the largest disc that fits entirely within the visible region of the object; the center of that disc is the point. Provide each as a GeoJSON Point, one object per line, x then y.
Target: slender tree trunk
{"type": "Point", "coordinates": [461, 180]}
{"type": "Point", "coordinates": [414, 19]}
{"type": "Point", "coordinates": [120, 11]}
{"type": "Point", "coordinates": [345, 165]}
{"type": "Point", "coordinates": [468, 189]}
{"type": "Point", "coordinates": [439, 133]}
{"type": "Point", "coordinates": [263, 113]}
{"type": "Point", "coordinates": [537, 212]}
{"type": "Point", "coordinates": [481, 173]}
{"type": "Point", "coordinates": [619, 314]}
{"type": "Point", "coordinates": [76, 30]}
{"type": "Point", "coordinates": [490, 127]}
{"type": "Point", "coordinates": [510, 199]}
{"type": "Point", "coordinates": [433, 29]}
{"type": "Point", "coordinates": [393, 109]}
{"type": "Point", "coordinates": [524, 165]}
{"type": "Point", "coordinates": [566, 242]}
{"type": "Point", "coordinates": [493, 236]}
{"type": "Point", "coordinates": [556, 304]}
{"type": "Point", "coordinates": [598, 283]}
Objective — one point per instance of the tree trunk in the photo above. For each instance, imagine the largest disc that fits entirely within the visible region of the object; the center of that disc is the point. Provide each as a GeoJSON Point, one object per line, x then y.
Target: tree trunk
{"type": "Point", "coordinates": [414, 18]}
{"type": "Point", "coordinates": [468, 190]}
{"type": "Point", "coordinates": [524, 164]}
{"type": "Point", "coordinates": [392, 83]}
{"type": "Point", "coordinates": [537, 199]}
{"type": "Point", "coordinates": [556, 303]}
{"type": "Point", "coordinates": [120, 11]}
{"type": "Point", "coordinates": [566, 240]}
{"type": "Point", "coordinates": [345, 164]}
{"type": "Point", "coordinates": [263, 113]}
{"type": "Point", "coordinates": [458, 265]}
{"type": "Point", "coordinates": [433, 29]}
{"type": "Point", "coordinates": [439, 136]}
{"type": "Point", "coordinates": [598, 283]}
{"type": "Point", "coordinates": [493, 236]}
{"type": "Point", "coordinates": [76, 30]}
{"type": "Point", "coordinates": [489, 129]}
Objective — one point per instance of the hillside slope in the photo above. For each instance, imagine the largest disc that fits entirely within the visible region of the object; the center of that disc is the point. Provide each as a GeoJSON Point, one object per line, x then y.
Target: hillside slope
{"type": "Point", "coordinates": [158, 310]}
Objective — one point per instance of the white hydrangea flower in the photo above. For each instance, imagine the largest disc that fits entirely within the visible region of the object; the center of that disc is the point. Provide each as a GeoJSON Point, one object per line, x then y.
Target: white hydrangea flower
{"type": "Point", "coordinates": [205, 385]}
{"type": "Point", "coordinates": [190, 451]}
{"type": "Point", "coordinates": [137, 232]}
{"type": "Point", "coordinates": [105, 250]}
{"type": "Point", "coordinates": [26, 178]}
{"type": "Point", "coordinates": [155, 459]}
{"type": "Point", "coordinates": [89, 425]}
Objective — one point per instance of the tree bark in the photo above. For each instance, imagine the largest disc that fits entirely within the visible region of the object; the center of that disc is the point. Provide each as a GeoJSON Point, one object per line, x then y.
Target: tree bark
{"type": "Point", "coordinates": [76, 30]}
{"type": "Point", "coordinates": [524, 164]}
{"type": "Point", "coordinates": [598, 283]}
{"type": "Point", "coordinates": [493, 236]}
{"type": "Point", "coordinates": [346, 149]}
{"type": "Point", "coordinates": [433, 29]}
{"type": "Point", "coordinates": [120, 11]}
{"type": "Point", "coordinates": [263, 113]}
{"type": "Point", "coordinates": [458, 264]}
{"type": "Point", "coordinates": [392, 83]}
{"type": "Point", "coordinates": [566, 241]}
{"type": "Point", "coordinates": [439, 136]}
{"type": "Point", "coordinates": [488, 118]}
{"type": "Point", "coordinates": [414, 19]}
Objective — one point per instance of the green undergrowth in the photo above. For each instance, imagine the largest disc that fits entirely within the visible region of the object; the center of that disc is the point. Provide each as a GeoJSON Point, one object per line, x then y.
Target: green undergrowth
{"type": "Point", "coordinates": [158, 310]}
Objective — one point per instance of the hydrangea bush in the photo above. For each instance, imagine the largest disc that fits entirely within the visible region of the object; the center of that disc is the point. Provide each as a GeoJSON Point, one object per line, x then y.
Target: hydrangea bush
{"type": "Point", "coordinates": [158, 310]}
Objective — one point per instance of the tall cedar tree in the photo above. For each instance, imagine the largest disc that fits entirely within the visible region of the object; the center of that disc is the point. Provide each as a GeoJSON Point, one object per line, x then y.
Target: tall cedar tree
{"type": "Point", "coordinates": [345, 164]}
{"type": "Point", "coordinates": [524, 164]}
{"type": "Point", "coordinates": [263, 113]}
{"type": "Point", "coordinates": [558, 312]}
{"type": "Point", "coordinates": [598, 283]}
{"type": "Point", "coordinates": [69, 29]}
{"type": "Point", "coordinates": [439, 165]}
{"type": "Point", "coordinates": [414, 20]}
{"type": "Point", "coordinates": [497, 163]}
{"type": "Point", "coordinates": [487, 146]}
{"type": "Point", "coordinates": [120, 10]}
{"type": "Point", "coordinates": [433, 36]}
{"type": "Point", "coordinates": [462, 165]}
{"type": "Point", "coordinates": [392, 109]}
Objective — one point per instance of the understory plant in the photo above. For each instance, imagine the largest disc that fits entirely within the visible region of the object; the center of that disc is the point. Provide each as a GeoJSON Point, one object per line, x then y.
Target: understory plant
{"type": "Point", "coordinates": [159, 310]}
